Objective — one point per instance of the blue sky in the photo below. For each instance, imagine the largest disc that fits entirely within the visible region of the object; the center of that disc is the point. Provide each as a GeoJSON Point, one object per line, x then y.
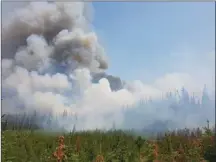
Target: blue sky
{"type": "Point", "coordinates": [141, 38]}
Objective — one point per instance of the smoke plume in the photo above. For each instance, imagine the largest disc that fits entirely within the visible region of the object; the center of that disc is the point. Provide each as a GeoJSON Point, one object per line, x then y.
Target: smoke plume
{"type": "Point", "coordinates": [52, 62]}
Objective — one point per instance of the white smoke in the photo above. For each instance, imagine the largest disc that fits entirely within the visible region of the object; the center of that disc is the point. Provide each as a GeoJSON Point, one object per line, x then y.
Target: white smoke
{"type": "Point", "coordinates": [49, 53]}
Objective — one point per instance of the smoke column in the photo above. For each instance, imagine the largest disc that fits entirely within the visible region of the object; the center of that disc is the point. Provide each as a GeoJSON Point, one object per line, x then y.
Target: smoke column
{"type": "Point", "coordinates": [49, 56]}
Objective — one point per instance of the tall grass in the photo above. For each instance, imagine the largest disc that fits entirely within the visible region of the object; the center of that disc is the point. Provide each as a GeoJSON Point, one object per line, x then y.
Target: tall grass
{"type": "Point", "coordinates": [25, 144]}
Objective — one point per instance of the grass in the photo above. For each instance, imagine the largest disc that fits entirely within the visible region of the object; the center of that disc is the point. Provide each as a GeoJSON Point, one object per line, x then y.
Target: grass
{"type": "Point", "coordinates": [30, 145]}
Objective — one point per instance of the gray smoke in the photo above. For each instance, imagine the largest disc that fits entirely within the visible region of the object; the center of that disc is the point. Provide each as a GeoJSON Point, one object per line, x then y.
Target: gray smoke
{"type": "Point", "coordinates": [115, 82]}
{"type": "Point", "coordinates": [52, 62]}
{"type": "Point", "coordinates": [56, 31]}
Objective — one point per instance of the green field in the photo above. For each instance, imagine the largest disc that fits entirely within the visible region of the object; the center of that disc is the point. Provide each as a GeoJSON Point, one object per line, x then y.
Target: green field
{"type": "Point", "coordinates": [113, 146]}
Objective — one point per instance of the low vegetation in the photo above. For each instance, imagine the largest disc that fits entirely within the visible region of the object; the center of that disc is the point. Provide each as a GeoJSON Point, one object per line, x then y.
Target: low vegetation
{"type": "Point", "coordinates": [30, 145]}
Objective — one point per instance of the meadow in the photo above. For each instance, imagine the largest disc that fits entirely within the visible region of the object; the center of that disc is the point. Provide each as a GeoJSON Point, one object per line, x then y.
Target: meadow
{"type": "Point", "coordinates": [29, 144]}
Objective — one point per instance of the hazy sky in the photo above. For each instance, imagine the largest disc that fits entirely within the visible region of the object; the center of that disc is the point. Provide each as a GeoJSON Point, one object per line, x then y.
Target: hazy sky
{"type": "Point", "coordinates": [152, 38]}
{"type": "Point", "coordinates": [162, 47]}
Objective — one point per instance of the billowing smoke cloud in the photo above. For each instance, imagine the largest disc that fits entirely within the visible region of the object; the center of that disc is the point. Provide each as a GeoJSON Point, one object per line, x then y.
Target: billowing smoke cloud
{"type": "Point", "coordinates": [52, 62]}
{"type": "Point", "coordinates": [52, 30]}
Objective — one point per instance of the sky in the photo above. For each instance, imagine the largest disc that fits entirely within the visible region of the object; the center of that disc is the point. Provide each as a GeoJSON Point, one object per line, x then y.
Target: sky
{"type": "Point", "coordinates": [156, 47]}
{"type": "Point", "coordinates": [149, 41]}
{"type": "Point", "coordinates": [152, 39]}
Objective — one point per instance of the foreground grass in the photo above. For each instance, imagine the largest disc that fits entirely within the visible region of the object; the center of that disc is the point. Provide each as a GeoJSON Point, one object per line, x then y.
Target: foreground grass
{"type": "Point", "coordinates": [113, 146]}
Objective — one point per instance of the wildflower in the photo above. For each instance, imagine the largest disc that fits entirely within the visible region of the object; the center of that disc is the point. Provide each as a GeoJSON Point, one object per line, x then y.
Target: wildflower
{"type": "Point", "coordinates": [59, 153]}
{"type": "Point", "coordinates": [61, 139]}
{"type": "Point", "coordinates": [198, 144]}
{"type": "Point", "coordinates": [155, 152]}
{"type": "Point", "coordinates": [99, 158]}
